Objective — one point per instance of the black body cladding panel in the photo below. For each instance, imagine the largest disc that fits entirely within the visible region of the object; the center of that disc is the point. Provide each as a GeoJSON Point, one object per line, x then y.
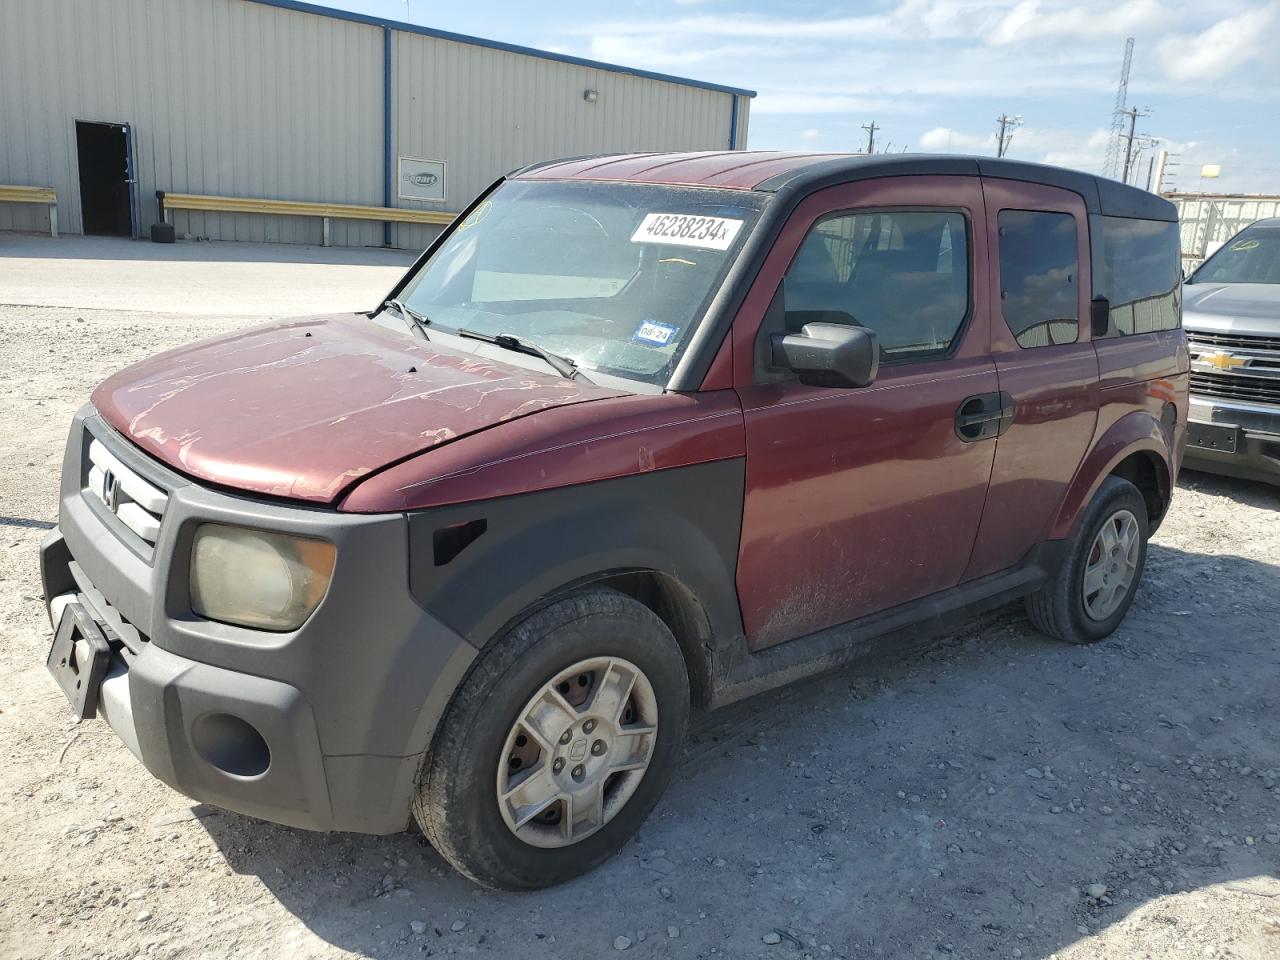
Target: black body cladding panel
{"type": "Point", "coordinates": [684, 523]}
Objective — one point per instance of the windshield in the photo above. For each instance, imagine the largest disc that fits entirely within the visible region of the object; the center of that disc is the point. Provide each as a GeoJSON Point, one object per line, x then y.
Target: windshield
{"type": "Point", "coordinates": [1253, 256]}
{"type": "Point", "coordinates": [613, 276]}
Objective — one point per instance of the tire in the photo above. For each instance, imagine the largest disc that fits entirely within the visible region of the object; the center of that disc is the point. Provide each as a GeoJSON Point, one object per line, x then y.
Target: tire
{"type": "Point", "coordinates": [1060, 608]}
{"type": "Point", "coordinates": [458, 803]}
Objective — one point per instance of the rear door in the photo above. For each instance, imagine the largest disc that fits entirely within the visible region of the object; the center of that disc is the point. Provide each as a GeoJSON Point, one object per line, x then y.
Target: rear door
{"type": "Point", "coordinates": [861, 499]}
{"type": "Point", "coordinates": [1040, 270]}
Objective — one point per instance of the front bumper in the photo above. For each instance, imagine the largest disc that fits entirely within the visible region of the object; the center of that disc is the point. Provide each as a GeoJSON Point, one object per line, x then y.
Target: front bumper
{"type": "Point", "coordinates": [1256, 439]}
{"type": "Point", "coordinates": [322, 728]}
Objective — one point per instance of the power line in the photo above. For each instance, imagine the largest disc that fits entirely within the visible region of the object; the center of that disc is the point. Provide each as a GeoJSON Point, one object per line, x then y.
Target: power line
{"type": "Point", "coordinates": [1005, 136]}
{"type": "Point", "coordinates": [871, 129]}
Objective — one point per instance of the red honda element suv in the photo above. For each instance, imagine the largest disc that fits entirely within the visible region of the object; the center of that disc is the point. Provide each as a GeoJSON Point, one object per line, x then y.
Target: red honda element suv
{"type": "Point", "coordinates": [635, 434]}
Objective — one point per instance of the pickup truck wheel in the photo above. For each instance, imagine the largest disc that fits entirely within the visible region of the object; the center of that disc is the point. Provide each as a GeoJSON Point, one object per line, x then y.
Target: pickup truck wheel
{"type": "Point", "coordinates": [558, 743]}
{"type": "Point", "coordinates": [1090, 594]}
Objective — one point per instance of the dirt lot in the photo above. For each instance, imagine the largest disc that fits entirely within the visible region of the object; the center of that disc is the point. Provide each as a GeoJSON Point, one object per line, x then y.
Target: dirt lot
{"type": "Point", "coordinates": [1000, 796]}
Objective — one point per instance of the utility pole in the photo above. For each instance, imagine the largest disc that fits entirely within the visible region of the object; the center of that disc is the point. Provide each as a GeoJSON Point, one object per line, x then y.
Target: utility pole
{"type": "Point", "coordinates": [1003, 139]}
{"type": "Point", "coordinates": [871, 129]}
{"type": "Point", "coordinates": [1133, 114]}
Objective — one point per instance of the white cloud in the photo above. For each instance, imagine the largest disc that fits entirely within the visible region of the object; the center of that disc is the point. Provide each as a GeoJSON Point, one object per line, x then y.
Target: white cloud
{"type": "Point", "coordinates": [867, 28]}
{"type": "Point", "coordinates": [823, 101]}
{"type": "Point", "coordinates": [949, 67]}
{"type": "Point", "coordinates": [1064, 148]}
{"type": "Point", "coordinates": [946, 140]}
{"type": "Point", "coordinates": [1224, 48]}
{"type": "Point", "coordinates": [1031, 19]}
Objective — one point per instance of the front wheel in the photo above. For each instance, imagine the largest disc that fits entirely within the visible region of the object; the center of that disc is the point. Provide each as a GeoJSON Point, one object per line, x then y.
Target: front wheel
{"type": "Point", "coordinates": [1092, 590]}
{"type": "Point", "coordinates": [558, 743]}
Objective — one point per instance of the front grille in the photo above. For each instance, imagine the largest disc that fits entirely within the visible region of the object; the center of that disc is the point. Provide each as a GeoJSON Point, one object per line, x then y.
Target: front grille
{"type": "Point", "coordinates": [1235, 366]}
{"type": "Point", "coordinates": [132, 503]}
{"type": "Point", "coordinates": [111, 620]}
{"type": "Point", "coordinates": [1232, 386]}
{"type": "Point", "coordinates": [1240, 341]}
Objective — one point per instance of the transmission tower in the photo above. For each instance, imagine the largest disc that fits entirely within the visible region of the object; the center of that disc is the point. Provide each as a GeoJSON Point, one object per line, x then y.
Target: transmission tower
{"type": "Point", "coordinates": [1111, 167]}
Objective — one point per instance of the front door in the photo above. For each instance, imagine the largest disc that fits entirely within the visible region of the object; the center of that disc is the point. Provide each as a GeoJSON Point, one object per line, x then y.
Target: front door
{"type": "Point", "coordinates": [104, 153]}
{"type": "Point", "coordinates": [862, 499]}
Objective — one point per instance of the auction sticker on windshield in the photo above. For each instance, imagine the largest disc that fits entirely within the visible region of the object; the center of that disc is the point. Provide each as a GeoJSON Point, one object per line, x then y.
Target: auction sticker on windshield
{"type": "Point", "coordinates": [687, 230]}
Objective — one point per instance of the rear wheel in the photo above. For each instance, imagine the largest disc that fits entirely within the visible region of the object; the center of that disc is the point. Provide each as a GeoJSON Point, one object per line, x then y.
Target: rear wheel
{"type": "Point", "coordinates": [557, 744]}
{"type": "Point", "coordinates": [1092, 590]}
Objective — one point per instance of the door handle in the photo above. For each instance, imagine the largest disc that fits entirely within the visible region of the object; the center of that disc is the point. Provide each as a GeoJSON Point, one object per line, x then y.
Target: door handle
{"type": "Point", "coordinates": [984, 416]}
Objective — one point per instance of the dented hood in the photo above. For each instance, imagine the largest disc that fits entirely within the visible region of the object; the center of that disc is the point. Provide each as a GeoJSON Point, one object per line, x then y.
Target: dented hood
{"type": "Point", "coordinates": [306, 408]}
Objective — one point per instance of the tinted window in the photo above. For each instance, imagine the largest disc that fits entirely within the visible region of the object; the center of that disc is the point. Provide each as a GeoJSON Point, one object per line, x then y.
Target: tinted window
{"type": "Point", "coordinates": [1252, 256]}
{"type": "Point", "coordinates": [1139, 272]}
{"type": "Point", "coordinates": [903, 274]}
{"type": "Point", "coordinates": [1039, 282]}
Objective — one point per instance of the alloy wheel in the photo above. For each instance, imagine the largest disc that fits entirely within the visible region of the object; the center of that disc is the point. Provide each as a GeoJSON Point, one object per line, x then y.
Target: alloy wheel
{"type": "Point", "coordinates": [577, 752]}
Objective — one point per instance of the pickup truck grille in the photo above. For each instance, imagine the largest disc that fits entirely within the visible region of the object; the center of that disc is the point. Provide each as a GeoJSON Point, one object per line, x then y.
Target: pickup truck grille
{"type": "Point", "coordinates": [1232, 366]}
{"type": "Point", "coordinates": [1251, 389]}
{"type": "Point", "coordinates": [136, 504]}
{"type": "Point", "coordinates": [1228, 341]}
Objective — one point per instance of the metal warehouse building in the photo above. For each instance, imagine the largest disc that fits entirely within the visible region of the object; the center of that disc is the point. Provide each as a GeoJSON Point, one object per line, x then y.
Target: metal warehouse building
{"type": "Point", "coordinates": [109, 101]}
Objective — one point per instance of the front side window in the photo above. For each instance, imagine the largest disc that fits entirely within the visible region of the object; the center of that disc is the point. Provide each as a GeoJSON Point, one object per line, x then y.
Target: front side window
{"type": "Point", "coordinates": [903, 274]}
{"type": "Point", "coordinates": [1139, 273]}
{"type": "Point", "coordinates": [1039, 282]}
{"type": "Point", "coordinates": [614, 276]}
{"type": "Point", "coordinates": [1251, 256]}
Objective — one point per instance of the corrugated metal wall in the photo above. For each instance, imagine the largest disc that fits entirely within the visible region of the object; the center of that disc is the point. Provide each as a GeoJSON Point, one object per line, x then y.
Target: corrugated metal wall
{"type": "Point", "coordinates": [489, 111]}
{"type": "Point", "coordinates": [237, 98]}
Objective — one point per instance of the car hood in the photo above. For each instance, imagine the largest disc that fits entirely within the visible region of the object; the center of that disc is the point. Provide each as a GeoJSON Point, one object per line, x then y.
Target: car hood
{"type": "Point", "coordinates": [1245, 308]}
{"type": "Point", "coordinates": [304, 409]}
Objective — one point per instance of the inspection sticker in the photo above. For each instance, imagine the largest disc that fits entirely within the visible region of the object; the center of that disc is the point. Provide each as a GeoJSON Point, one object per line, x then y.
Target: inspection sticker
{"type": "Point", "coordinates": [685, 230]}
{"type": "Point", "coordinates": [658, 334]}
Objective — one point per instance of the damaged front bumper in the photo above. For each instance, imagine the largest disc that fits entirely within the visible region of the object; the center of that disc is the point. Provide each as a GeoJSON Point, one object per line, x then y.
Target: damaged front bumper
{"type": "Point", "coordinates": [323, 727]}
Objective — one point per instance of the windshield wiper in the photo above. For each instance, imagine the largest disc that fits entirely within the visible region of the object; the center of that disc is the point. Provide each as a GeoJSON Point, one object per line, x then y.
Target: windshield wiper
{"type": "Point", "coordinates": [562, 365]}
{"type": "Point", "coordinates": [418, 322]}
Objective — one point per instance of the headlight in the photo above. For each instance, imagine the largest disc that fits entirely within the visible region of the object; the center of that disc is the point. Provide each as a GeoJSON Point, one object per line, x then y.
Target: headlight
{"type": "Point", "coordinates": [253, 578]}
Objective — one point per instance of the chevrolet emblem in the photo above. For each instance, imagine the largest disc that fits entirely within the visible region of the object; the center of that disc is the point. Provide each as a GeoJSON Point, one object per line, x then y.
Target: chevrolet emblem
{"type": "Point", "coordinates": [1222, 360]}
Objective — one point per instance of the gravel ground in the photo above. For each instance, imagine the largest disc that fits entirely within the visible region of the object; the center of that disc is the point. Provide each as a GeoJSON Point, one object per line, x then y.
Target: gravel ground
{"type": "Point", "coordinates": [999, 796]}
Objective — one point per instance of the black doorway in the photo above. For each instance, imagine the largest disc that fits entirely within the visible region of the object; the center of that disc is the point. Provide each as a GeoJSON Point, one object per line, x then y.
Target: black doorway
{"type": "Point", "coordinates": [103, 152]}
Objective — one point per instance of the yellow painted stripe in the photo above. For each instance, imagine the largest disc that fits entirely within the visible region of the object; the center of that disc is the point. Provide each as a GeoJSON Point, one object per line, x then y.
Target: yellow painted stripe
{"type": "Point", "coordinates": [302, 208]}
{"type": "Point", "coordinates": [27, 194]}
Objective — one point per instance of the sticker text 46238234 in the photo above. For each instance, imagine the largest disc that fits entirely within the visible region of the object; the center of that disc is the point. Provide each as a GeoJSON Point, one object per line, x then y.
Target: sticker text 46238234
{"type": "Point", "coordinates": [687, 230]}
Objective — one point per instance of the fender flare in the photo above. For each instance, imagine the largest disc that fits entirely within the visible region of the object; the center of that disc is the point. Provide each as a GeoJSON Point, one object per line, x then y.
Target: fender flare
{"type": "Point", "coordinates": [683, 524]}
{"type": "Point", "coordinates": [1135, 432]}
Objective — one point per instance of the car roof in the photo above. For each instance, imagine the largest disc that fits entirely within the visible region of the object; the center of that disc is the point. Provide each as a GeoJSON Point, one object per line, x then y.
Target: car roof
{"type": "Point", "coordinates": [783, 171]}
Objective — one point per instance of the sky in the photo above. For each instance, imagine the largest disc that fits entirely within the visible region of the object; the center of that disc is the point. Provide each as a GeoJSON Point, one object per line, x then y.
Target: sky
{"type": "Point", "coordinates": [934, 75]}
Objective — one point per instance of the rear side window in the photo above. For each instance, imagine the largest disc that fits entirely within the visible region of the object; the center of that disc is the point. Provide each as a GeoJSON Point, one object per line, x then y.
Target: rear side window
{"type": "Point", "coordinates": [1139, 271]}
{"type": "Point", "coordinates": [903, 274]}
{"type": "Point", "coordinates": [1039, 277]}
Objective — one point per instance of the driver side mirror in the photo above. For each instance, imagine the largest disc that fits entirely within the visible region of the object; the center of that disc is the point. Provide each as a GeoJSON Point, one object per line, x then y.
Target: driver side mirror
{"type": "Point", "coordinates": [829, 354]}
